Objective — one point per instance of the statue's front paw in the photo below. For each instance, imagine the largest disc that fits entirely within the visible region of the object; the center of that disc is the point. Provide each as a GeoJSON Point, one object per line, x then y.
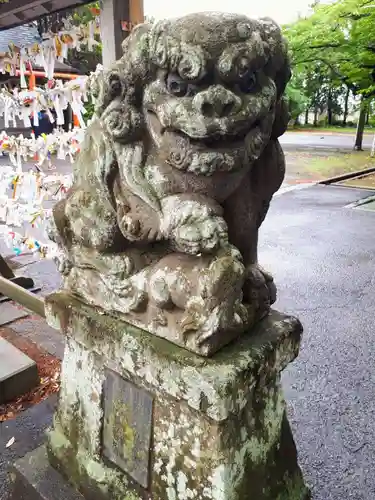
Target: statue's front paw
{"type": "Point", "coordinates": [259, 289]}
{"type": "Point", "coordinates": [202, 236]}
{"type": "Point", "coordinates": [136, 230]}
{"type": "Point", "coordinates": [130, 227]}
{"type": "Point", "coordinates": [64, 265]}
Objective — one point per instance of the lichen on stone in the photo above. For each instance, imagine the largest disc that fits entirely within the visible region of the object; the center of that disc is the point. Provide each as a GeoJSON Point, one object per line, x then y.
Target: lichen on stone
{"type": "Point", "coordinates": [175, 177]}
{"type": "Point", "coordinates": [219, 428]}
{"type": "Point", "coordinates": [176, 174]}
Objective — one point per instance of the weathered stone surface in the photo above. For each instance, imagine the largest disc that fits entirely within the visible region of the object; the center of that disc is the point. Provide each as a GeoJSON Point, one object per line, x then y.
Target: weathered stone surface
{"type": "Point", "coordinates": [18, 373]}
{"type": "Point", "coordinates": [175, 177]}
{"type": "Point", "coordinates": [219, 429]}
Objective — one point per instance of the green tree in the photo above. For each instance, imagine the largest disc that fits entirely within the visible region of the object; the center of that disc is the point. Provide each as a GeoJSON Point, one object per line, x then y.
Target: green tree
{"type": "Point", "coordinates": [296, 97]}
{"type": "Point", "coordinates": [341, 37]}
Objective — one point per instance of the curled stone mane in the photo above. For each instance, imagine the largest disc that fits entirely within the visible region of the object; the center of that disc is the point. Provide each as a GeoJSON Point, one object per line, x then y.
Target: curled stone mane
{"type": "Point", "coordinates": [176, 174]}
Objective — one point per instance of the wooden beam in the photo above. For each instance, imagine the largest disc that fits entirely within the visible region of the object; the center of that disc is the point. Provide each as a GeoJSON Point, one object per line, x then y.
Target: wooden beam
{"type": "Point", "coordinates": [9, 279]}
{"type": "Point", "coordinates": [111, 14]}
{"type": "Point", "coordinates": [136, 12]}
{"type": "Point", "coordinates": [16, 6]}
{"type": "Point", "coordinates": [22, 296]}
{"type": "Point", "coordinates": [48, 6]}
{"type": "Point", "coordinates": [20, 16]}
{"type": "Point", "coordinates": [10, 12]}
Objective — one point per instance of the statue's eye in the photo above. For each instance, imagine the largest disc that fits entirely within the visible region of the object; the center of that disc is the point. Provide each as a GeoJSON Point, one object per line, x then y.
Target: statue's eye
{"type": "Point", "coordinates": [248, 83]}
{"type": "Point", "coordinates": [177, 86]}
{"type": "Point", "coordinates": [115, 86]}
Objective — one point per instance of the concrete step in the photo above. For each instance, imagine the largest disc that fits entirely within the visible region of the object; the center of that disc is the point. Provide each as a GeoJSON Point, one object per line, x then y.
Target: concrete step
{"type": "Point", "coordinates": [18, 373]}
{"type": "Point", "coordinates": [35, 479]}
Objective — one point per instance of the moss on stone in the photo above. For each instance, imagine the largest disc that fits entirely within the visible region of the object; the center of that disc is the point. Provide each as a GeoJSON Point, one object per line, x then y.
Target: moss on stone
{"type": "Point", "coordinates": [219, 424]}
{"type": "Point", "coordinates": [87, 474]}
{"type": "Point", "coordinates": [295, 489]}
{"type": "Point", "coordinates": [120, 421]}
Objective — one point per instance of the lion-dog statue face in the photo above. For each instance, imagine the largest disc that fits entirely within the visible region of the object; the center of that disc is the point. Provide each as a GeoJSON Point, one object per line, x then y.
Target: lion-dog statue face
{"type": "Point", "coordinates": [213, 101]}
{"type": "Point", "coordinates": [182, 159]}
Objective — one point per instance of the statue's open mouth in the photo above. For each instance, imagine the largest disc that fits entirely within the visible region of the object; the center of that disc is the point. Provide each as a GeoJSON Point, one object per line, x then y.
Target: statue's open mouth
{"type": "Point", "coordinates": [216, 152]}
{"type": "Point", "coordinates": [216, 141]}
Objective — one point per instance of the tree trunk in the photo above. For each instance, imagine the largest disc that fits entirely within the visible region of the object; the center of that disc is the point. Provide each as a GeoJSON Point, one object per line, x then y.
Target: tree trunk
{"type": "Point", "coordinates": [367, 117]}
{"type": "Point", "coordinates": [330, 116]}
{"type": "Point", "coordinates": [316, 117]}
{"type": "Point", "coordinates": [373, 148]}
{"type": "Point", "coordinates": [346, 107]}
{"type": "Point", "coordinates": [307, 116]}
{"type": "Point", "coordinates": [329, 107]}
{"type": "Point", "coordinates": [361, 125]}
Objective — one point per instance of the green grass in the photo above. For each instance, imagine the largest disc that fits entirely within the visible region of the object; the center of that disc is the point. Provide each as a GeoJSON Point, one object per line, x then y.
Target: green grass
{"type": "Point", "coordinates": [336, 130]}
{"type": "Point", "coordinates": [341, 163]}
{"type": "Point", "coordinates": [368, 181]}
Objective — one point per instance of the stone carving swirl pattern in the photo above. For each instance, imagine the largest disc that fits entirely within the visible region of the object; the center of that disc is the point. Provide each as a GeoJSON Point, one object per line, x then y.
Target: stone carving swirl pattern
{"type": "Point", "coordinates": [175, 177]}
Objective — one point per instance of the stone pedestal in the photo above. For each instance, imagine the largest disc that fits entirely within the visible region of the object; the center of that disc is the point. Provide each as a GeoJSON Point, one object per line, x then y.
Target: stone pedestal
{"type": "Point", "coordinates": [18, 373]}
{"type": "Point", "coordinates": [140, 418]}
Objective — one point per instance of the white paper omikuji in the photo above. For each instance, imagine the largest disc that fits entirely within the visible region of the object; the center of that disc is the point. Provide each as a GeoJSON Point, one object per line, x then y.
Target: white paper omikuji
{"type": "Point", "coordinates": [66, 144]}
{"type": "Point", "coordinates": [23, 57]}
{"type": "Point", "coordinates": [54, 47]}
{"type": "Point", "coordinates": [14, 217]}
{"type": "Point", "coordinates": [3, 211]}
{"type": "Point", "coordinates": [28, 189]}
{"type": "Point", "coordinates": [24, 104]}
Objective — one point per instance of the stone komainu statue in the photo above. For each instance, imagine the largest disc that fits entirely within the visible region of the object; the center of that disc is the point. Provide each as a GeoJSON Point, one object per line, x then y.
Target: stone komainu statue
{"type": "Point", "coordinates": [176, 174]}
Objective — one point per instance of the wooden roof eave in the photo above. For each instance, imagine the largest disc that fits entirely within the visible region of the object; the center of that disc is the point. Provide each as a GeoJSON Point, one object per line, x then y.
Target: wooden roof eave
{"type": "Point", "coordinates": [17, 12]}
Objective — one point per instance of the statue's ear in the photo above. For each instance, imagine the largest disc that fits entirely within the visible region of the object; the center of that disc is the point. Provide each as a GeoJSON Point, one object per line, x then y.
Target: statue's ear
{"type": "Point", "coordinates": [136, 55]}
{"type": "Point", "coordinates": [138, 33]}
{"type": "Point", "coordinates": [282, 117]}
{"type": "Point", "coordinates": [282, 77]}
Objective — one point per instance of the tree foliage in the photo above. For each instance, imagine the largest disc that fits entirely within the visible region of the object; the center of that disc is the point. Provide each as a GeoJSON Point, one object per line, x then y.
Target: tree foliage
{"type": "Point", "coordinates": [296, 97]}
{"type": "Point", "coordinates": [333, 55]}
{"type": "Point", "coordinates": [340, 37]}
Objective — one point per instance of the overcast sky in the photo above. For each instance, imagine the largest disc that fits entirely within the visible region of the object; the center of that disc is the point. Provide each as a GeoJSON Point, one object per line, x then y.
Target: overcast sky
{"type": "Point", "coordinates": [281, 11]}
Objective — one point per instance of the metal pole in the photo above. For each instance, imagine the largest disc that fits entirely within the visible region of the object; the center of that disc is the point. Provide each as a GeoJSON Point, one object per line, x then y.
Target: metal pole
{"type": "Point", "coordinates": [22, 296]}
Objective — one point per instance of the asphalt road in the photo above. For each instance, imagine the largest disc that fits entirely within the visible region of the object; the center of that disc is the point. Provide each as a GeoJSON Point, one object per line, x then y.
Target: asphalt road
{"type": "Point", "coordinates": [29, 430]}
{"type": "Point", "coordinates": [322, 257]}
{"type": "Point", "coordinates": [325, 141]}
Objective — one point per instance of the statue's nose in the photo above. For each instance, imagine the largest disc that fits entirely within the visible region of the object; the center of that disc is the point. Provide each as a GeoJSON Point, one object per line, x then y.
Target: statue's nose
{"type": "Point", "coordinates": [216, 102]}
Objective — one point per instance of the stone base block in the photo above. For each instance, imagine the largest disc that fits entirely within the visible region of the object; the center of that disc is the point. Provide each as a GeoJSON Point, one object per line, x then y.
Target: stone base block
{"type": "Point", "coordinates": [18, 373]}
{"type": "Point", "coordinates": [35, 479]}
{"type": "Point", "coordinates": [140, 418]}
